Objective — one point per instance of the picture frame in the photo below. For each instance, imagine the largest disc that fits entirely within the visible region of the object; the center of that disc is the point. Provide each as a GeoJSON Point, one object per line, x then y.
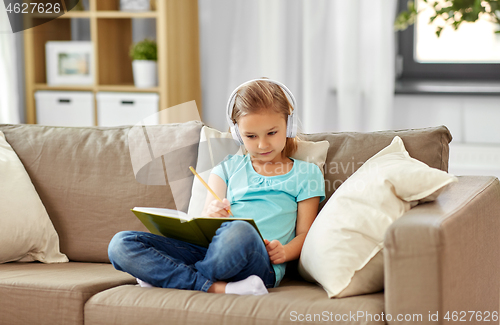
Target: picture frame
{"type": "Point", "coordinates": [69, 63]}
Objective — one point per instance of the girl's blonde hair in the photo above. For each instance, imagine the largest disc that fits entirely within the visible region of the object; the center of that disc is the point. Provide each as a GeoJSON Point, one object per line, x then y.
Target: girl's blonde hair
{"type": "Point", "coordinates": [261, 95]}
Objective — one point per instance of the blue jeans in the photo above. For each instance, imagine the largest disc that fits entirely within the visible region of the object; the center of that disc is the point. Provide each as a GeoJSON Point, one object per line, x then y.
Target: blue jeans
{"type": "Point", "coordinates": [235, 253]}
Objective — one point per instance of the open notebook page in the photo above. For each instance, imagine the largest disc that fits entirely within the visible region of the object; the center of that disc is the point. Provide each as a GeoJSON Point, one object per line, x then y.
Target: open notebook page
{"type": "Point", "coordinates": [164, 212]}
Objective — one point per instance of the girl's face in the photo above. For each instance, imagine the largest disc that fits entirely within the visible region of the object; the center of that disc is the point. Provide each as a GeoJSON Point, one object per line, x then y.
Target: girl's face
{"type": "Point", "coordinates": [264, 135]}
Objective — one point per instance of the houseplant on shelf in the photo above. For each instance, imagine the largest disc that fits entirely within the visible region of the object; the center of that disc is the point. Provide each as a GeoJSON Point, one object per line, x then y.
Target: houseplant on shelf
{"type": "Point", "coordinates": [144, 66]}
{"type": "Point", "coordinates": [452, 12]}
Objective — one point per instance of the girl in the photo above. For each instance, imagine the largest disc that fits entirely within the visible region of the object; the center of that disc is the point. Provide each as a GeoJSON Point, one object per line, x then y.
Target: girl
{"type": "Point", "coordinates": [280, 193]}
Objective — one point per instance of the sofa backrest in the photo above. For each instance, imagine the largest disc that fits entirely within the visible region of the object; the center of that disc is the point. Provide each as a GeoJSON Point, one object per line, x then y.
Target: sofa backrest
{"type": "Point", "coordinates": [85, 177]}
{"type": "Point", "coordinates": [349, 150]}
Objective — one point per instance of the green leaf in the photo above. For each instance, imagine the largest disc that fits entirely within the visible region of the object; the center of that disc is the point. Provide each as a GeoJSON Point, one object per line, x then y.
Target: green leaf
{"type": "Point", "coordinates": [411, 6]}
{"type": "Point", "coordinates": [144, 50]}
{"type": "Point", "coordinates": [495, 5]}
{"type": "Point", "coordinates": [456, 24]}
{"type": "Point", "coordinates": [438, 31]}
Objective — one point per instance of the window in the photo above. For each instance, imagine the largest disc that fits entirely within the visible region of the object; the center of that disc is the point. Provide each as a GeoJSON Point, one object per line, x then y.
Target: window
{"type": "Point", "coordinates": [471, 53]}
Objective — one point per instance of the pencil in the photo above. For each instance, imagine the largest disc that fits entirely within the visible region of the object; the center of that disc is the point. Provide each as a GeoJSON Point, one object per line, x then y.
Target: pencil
{"type": "Point", "coordinates": [208, 187]}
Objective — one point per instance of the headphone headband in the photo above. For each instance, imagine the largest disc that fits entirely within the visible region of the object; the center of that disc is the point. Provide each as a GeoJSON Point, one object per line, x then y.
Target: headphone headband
{"type": "Point", "coordinates": [291, 126]}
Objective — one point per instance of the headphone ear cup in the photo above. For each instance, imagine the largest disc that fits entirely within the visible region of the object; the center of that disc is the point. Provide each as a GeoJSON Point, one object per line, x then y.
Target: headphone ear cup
{"type": "Point", "coordinates": [235, 132]}
{"type": "Point", "coordinates": [291, 126]}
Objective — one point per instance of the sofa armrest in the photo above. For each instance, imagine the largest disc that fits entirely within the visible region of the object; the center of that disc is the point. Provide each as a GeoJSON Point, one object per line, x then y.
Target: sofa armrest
{"type": "Point", "coordinates": [445, 255]}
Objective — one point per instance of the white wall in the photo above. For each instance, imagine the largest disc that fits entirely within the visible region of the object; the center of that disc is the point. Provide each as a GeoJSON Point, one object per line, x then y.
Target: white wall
{"type": "Point", "coordinates": [474, 122]}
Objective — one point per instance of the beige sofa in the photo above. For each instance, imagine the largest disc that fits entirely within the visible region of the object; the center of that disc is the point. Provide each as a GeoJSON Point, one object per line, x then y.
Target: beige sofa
{"type": "Point", "coordinates": [439, 257]}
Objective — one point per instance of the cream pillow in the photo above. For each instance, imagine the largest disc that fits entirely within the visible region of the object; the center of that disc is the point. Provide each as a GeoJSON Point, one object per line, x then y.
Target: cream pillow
{"type": "Point", "coordinates": [216, 145]}
{"type": "Point", "coordinates": [26, 232]}
{"type": "Point", "coordinates": [342, 251]}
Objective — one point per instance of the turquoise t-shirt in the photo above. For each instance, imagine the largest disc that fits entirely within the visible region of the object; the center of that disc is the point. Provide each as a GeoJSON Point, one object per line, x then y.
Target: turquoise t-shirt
{"type": "Point", "coordinates": [270, 200]}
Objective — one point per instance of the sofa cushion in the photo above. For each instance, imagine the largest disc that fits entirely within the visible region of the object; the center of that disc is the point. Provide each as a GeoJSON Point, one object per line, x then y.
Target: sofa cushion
{"type": "Point", "coordinates": [349, 150]}
{"type": "Point", "coordinates": [85, 179]}
{"type": "Point", "coordinates": [52, 294]}
{"type": "Point", "coordinates": [349, 230]}
{"type": "Point", "coordinates": [291, 303]}
{"type": "Point", "coordinates": [26, 232]}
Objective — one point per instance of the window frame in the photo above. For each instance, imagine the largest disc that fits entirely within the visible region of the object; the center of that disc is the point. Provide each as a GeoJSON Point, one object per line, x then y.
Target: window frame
{"type": "Point", "coordinates": [438, 71]}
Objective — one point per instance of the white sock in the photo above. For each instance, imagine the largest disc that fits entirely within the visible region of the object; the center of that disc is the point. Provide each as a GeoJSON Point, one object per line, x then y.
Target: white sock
{"type": "Point", "coordinates": [143, 284]}
{"type": "Point", "coordinates": [253, 285]}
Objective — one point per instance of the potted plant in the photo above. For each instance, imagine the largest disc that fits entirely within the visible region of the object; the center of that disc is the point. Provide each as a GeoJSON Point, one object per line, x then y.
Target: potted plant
{"type": "Point", "coordinates": [452, 12]}
{"type": "Point", "coordinates": [144, 66]}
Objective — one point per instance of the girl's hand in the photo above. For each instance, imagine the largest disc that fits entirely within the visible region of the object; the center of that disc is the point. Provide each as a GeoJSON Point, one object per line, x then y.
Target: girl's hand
{"type": "Point", "coordinates": [218, 209]}
{"type": "Point", "coordinates": [276, 251]}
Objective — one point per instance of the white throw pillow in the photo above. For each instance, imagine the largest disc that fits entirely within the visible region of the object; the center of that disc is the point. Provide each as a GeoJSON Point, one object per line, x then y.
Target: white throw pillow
{"type": "Point", "coordinates": [26, 232]}
{"type": "Point", "coordinates": [349, 231]}
{"type": "Point", "coordinates": [220, 144]}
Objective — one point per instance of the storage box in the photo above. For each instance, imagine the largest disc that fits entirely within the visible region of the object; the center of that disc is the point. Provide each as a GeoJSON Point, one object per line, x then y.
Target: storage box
{"type": "Point", "coordinates": [135, 5]}
{"type": "Point", "coordinates": [65, 108]}
{"type": "Point", "coordinates": [115, 109]}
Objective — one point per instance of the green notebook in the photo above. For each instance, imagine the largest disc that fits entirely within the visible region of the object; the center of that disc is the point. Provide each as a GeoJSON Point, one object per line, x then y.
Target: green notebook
{"type": "Point", "coordinates": [178, 225]}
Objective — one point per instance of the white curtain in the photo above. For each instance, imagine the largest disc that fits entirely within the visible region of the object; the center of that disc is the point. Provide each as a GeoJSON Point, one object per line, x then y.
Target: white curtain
{"type": "Point", "coordinates": [9, 93]}
{"type": "Point", "coordinates": [336, 56]}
